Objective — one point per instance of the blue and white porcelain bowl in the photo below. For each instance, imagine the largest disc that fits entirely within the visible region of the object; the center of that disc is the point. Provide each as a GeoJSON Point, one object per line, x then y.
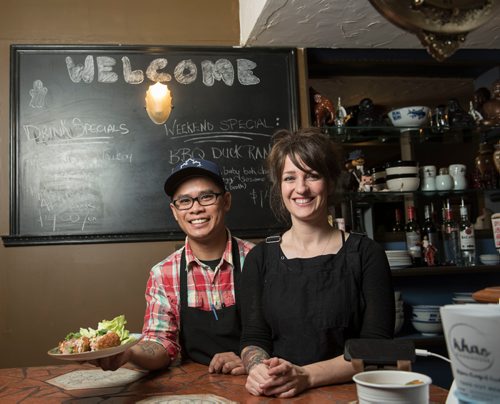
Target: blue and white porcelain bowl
{"type": "Point", "coordinates": [414, 116]}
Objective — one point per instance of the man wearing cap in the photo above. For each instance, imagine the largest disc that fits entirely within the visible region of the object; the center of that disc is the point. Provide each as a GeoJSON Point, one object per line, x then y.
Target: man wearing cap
{"type": "Point", "coordinates": [190, 295]}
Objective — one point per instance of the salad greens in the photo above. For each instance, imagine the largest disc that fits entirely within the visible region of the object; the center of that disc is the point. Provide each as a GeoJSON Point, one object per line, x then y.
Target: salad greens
{"type": "Point", "coordinates": [117, 325]}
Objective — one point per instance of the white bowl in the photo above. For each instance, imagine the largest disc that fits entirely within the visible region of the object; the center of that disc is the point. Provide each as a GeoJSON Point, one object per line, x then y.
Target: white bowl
{"type": "Point", "coordinates": [426, 316]}
{"type": "Point", "coordinates": [390, 386]}
{"type": "Point", "coordinates": [414, 116]}
{"type": "Point", "coordinates": [403, 184]}
{"type": "Point", "coordinates": [427, 328]}
{"type": "Point", "coordinates": [402, 170]}
{"type": "Point", "coordinates": [489, 259]}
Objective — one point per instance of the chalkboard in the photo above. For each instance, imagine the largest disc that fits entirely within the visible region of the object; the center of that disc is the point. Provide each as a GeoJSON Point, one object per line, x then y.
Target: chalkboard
{"type": "Point", "coordinates": [88, 164]}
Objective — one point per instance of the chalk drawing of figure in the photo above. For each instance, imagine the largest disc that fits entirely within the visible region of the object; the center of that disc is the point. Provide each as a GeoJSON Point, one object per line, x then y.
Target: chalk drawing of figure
{"type": "Point", "coordinates": [38, 93]}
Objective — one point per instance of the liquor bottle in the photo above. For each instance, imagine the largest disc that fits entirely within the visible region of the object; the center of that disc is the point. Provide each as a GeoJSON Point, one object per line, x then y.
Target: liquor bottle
{"type": "Point", "coordinates": [467, 238]}
{"type": "Point", "coordinates": [431, 244]}
{"type": "Point", "coordinates": [413, 239]}
{"type": "Point", "coordinates": [398, 226]}
{"type": "Point", "coordinates": [451, 237]}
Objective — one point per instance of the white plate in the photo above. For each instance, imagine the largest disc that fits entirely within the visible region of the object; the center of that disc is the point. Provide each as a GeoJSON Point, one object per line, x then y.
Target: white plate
{"type": "Point", "coordinates": [102, 353]}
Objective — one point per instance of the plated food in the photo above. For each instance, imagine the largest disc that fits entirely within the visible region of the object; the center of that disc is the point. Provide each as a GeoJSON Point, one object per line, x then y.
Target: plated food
{"type": "Point", "coordinates": [110, 338]}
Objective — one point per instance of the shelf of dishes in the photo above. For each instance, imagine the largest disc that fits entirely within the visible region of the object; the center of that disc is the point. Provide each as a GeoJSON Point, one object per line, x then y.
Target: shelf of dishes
{"type": "Point", "coordinates": [387, 195]}
{"type": "Point", "coordinates": [419, 321]}
{"type": "Point", "coordinates": [387, 134]}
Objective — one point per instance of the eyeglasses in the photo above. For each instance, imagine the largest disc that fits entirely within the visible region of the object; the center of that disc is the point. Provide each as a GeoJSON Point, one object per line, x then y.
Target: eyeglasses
{"type": "Point", "coordinates": [206, 199]}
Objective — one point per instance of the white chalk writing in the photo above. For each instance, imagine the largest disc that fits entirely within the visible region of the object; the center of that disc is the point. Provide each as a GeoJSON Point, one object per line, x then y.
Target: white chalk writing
{"type": "Point", "coordinates": [73, 130]}
{"type": "Point", "coordinates": [185, 71]}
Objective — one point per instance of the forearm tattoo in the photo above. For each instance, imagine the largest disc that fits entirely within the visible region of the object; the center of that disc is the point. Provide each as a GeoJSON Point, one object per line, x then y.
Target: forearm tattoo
{"type": "Point", "coordinates": [151, 348]}
{"type": "Point", "coordinates": [253, 355]}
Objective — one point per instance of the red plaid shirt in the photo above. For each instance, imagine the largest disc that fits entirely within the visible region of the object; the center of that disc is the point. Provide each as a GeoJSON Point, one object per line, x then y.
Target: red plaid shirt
{"type": "Point", "coordinates": [204, 287]}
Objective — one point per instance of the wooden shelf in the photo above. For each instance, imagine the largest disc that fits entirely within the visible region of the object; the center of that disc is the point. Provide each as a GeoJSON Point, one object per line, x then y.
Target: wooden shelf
{"type": "Point", "coordinates": [423, 341]}
{"type": "Point", "coordinates": [357, 136]}
{"type": "Point", "coordinates": [446, 270]}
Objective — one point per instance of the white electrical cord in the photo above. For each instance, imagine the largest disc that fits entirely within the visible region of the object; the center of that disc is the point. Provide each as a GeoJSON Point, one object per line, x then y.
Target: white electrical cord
{"type": "Point", "coordinates": [423, 352]}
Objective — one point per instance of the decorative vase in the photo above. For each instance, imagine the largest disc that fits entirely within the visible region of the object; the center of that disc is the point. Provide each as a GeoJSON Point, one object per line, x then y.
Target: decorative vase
{"type": "Point", "coordinates": [485, 173]}
{"type": "Point", "coordinates": [496, 157]}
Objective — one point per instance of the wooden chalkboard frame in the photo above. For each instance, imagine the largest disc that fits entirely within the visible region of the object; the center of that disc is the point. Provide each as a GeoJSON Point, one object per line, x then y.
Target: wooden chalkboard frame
{"type": "Point", "coordinates": [18, 237]}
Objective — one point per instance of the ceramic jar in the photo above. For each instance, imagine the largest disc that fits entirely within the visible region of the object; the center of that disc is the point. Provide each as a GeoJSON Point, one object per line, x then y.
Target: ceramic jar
{"type": "Point", "coordinates": [485, 173]}
{"type": "Point", "coordinates": [457, 172]}
{"type": "Point", "coordinates": [444, 181]}
{"type": "Point", "coordinates": [496, 157]}
{"type": "Point", "coordinates": [428, 175]}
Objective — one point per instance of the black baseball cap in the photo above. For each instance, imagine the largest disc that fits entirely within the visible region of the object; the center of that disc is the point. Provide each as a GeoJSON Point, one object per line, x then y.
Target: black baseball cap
{"type": "Point", "coordinates": [192, 168]}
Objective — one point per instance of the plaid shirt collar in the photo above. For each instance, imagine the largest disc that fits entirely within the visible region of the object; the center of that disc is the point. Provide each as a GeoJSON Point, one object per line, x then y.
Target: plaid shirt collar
{"type": "Point", "coordinates": [191, 260]}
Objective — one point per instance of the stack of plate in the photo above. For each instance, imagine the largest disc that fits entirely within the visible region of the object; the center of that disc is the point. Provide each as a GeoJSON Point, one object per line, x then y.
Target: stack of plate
{"type": "Point", "coordinates": [463, 298]}
{"type": "Point", "coordinates": [398, 258]}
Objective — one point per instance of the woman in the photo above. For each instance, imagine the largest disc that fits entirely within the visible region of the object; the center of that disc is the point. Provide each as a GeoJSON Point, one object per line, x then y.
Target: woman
{"type": "Point", "coordinates": [310, 289]}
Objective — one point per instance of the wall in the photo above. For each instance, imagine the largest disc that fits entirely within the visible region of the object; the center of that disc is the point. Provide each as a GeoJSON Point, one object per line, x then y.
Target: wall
{"type": "Point", "coordinates": [47, 291]}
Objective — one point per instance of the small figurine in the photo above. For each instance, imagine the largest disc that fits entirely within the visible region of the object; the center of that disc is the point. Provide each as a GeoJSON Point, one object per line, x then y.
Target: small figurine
{"type": "Point", "coordinates": [474, 113]}
{"type": "Point", "coordinates": [481, 95]}
{"type": "Point", "coordinates": [341, 116]}
{"type": "Point", "coordinates": [324, 111]}
{"type": "Point", "coordinates": [429, 252]}
{"type": "Point", "coordinates": [355, 166]}
{"type": "Point", "coordinates": [366, 113]}
{"type": "Point", "coordinates": [457, 117]}
{"type": "Point", "coordinates": [491, 108]}
{"type": "Point", "coordinates": [439, 120]}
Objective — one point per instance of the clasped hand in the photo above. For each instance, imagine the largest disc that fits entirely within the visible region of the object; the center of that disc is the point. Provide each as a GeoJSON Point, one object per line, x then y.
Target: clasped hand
{"type": "Point", "coordinates": [277, 377]}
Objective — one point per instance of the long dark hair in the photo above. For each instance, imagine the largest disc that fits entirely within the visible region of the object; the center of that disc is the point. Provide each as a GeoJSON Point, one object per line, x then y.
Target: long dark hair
{"type": "Point", "coordinates": [308, 147]}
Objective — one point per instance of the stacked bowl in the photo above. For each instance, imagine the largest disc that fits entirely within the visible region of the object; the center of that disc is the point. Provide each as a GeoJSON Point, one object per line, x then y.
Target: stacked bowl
{"type": "Point", "coordinates": [463, 298]}
{"type": "Point", "coordinates": [402, 176]}
{"type": "Point", "coordinates": [398, 258]}
{"type": "Point", "coordinates": [426, 319]}
{"type": "Point", "coordinates": [400, 317]}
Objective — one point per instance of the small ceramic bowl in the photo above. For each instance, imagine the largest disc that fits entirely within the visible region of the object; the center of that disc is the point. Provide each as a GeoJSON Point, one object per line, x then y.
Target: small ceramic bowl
{"type": "Point", "coordinates": [489, 259]}
{"type": "Point", "coordinates": [414, 116]}
{"type": "Point", "coordinates": [402, 167]}
{"type": "Point", "coordinates": [403, 184]}
{"type": "Point", "coordinates": [427, 327]}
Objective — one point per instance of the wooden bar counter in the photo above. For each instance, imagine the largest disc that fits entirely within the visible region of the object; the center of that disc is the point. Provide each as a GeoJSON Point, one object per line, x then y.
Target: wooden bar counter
{"type": "Point", "coordinates": [29, 385]}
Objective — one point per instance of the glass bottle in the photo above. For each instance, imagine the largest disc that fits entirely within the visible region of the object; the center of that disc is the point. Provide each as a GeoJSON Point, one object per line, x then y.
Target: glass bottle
{"type": "Point", "coordinates": [430, 239]}
{"type": "Point", "coordinates": [398, 225]}
{"type": "Point", "coordinates": [451, 237]}
{"type": "Point", "coordinates": [413, 238]}
{"type": "Point", "coordinates": [467, 238]}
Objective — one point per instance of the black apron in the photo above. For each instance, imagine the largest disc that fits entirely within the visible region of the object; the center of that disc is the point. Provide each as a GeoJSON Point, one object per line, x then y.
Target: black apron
{"type": "Point", "coordinates": [308, 308]}
{"type": "Point", "coordinates": [202, 333]}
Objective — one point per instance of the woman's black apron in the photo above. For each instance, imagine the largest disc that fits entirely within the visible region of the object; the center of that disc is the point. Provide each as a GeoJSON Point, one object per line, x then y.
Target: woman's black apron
{"type": "Point", "coordinates": [202, 333]}
{"type": "Point", "coordinates": [308, 304]}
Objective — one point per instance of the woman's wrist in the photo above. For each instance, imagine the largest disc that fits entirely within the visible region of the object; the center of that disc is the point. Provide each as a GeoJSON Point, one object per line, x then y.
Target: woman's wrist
{"type": "Point", "coordinates": [253, 356]}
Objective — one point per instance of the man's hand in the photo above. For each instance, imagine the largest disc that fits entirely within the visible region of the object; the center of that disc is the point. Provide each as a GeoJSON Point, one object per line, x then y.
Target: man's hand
{"type": "Point", "coordinates": [227, 363]}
